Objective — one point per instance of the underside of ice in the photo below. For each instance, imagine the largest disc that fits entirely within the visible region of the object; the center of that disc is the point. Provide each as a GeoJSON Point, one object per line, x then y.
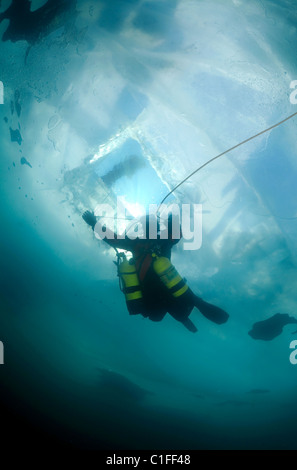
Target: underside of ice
{"type": "Point", "coordinates": [127, 98]}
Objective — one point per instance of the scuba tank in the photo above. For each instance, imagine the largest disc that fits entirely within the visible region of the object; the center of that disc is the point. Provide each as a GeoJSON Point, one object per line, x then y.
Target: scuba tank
{"type": "Point", "coordinates": [130, 285]}
{"type": "Point", "coordinates": [169, 276]}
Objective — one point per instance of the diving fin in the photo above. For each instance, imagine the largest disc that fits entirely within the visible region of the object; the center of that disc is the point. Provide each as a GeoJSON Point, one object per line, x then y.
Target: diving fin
{"type": "Point", "coordinates": [189, 325]}
{"type": "Point", "coordinates": [211, 312]}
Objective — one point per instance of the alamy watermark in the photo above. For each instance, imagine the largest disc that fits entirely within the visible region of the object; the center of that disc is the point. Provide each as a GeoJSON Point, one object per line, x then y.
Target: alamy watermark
{"type": "Point", "coordinates": [293, 355]}
{"type": "Point", "coordinates": [293, 344]}
{"type": "Point", "coordinates": [185, 222]}
{"type": "Point", "coordinates": [293, 95]}
{"type": "Point", "coordinates": [1, 93]}
{"type": "Point", "coordinates": [1, 353]}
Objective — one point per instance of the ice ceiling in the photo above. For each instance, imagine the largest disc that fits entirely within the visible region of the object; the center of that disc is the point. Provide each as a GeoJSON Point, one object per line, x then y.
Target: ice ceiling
{"type": "Point", "coordinates": [126, 98]}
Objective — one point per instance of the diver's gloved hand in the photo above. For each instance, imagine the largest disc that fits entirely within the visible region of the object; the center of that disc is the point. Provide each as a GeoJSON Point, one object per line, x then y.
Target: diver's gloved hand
{"type": "Point", "coordinates": [90, 218]}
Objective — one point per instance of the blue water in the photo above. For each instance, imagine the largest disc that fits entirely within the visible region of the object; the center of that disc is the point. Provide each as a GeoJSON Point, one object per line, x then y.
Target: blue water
{"type": "Point", "coordinates": [141, 93]}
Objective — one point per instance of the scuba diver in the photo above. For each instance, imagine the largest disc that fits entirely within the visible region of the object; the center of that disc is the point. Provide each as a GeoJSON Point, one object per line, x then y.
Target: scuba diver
{"type": "Point", "coordinates": [151, 284]}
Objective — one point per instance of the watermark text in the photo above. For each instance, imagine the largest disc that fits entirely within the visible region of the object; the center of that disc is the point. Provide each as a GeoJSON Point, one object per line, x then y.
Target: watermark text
{"type": "Point", "coordinates": [159, 223]}
{"type": "Point", "coordinates": [293, 95]}
{"type": "Point", "coordinates": [1, 353]}
{"type": "Point", "coordinates": [293, 355]}
{"type": "Point", "coordinates": [1, 93]}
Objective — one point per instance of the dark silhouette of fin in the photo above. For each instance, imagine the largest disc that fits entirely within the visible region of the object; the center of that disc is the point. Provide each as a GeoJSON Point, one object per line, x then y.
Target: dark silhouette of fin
{"type": "Point", "coordinates": [211, 312]}
{"type": "Point", "coordinates": [272, 327]}
{"type": "Point", "coordinates": [189, 325]}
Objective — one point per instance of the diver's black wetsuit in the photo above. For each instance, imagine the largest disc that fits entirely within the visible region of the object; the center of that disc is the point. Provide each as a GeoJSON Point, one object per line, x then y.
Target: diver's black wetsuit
{"type": "Point", "coordinates": [157, 299]}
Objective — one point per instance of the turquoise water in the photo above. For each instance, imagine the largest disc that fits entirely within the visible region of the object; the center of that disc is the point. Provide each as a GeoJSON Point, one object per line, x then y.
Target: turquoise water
{"type": "Point", "coordinates": [126, 98]}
